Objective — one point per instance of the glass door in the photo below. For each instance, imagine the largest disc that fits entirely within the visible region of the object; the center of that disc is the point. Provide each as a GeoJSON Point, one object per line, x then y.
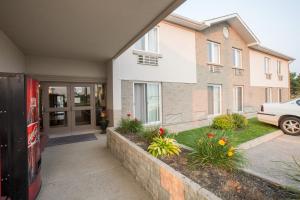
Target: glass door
{"type": "Point", "coordinates": [83, 107]}
{"type": "Point", "coordinates": [56, 107]}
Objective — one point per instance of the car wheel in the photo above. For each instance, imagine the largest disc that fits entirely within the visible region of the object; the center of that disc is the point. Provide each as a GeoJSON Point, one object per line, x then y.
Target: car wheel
{"type": "Point", "coordinates": [290, 125]}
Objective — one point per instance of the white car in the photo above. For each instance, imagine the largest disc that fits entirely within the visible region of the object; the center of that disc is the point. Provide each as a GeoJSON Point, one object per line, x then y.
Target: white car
{"type": "Point", "coordinates": [285, 115]}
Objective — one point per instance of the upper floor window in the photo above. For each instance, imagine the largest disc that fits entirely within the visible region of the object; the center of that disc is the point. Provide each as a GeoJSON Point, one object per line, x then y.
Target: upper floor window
{"type": "Point", "coordinates": [149, 42]}
{"type": "Point", "coordinates": [278, 67]}
{"type": "Point", "coordinates": [237, 58]}
{"type": "Point", "coordinates": [213, 52]}
{"type": "Point", "coordinates": [267, 65]}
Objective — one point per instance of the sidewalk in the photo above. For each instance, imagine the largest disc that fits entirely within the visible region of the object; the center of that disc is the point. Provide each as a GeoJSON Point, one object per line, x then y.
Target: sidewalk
{"type": "Point", "coordinates": [266, 159]}
{"type": "Point", "coordinates": [86, 171]}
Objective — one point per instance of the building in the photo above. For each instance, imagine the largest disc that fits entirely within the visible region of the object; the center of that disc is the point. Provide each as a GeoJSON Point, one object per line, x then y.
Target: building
{"type": "Point", "coordinates": [180, 74]}
{"type": "Point", "coordinates": [183, 73]}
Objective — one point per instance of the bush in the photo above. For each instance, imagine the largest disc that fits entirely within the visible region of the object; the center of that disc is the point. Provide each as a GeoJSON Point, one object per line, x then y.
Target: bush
{"type": "Point", "coordinates": [240, 121]}
{"type": "Point", "coordinates": [161, 147]}
{"type": "Point", "coordinates": [150, 133]}
{"type": "Point", "coordinates": [128, 125]}
{"type": "Point", "coordinates": [224, 122]}
{"type": "Point", "coordinates": [215, 150]}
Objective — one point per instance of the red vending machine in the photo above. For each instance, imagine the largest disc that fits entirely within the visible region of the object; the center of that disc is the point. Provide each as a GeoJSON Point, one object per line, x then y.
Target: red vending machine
{"type": "Point", "coordinates": [33, 137]}
{"type": "Point", "coordinates": [20, 153]}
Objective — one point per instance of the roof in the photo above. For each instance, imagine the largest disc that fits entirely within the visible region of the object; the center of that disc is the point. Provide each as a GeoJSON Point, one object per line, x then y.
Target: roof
{"type": "Point", "coordinates": [236, 22]}
{"type": "Point", "coordinates": [271, 52]}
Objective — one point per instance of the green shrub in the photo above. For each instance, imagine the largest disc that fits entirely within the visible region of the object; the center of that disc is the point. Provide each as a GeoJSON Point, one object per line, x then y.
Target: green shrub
{"type": "Point", "coordinates": [224, 122]}
{"type": "Point", "coordinates": [151, 132]}
{"type": "Point", "coordinates": [215, 150]}
{"type": "Point", "coordinates": [128, 125]}
{"type": "Point", "coordinates": [240, 121]}
{"type": "Point", "coordinates": [161, 147]}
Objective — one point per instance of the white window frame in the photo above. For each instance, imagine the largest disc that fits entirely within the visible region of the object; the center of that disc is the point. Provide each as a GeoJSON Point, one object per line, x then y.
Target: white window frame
{"type": "Point", "coordinates": [221, 103]}
{"type": "Point", "coordinates": [238, 52]}
{"type": "Point", "coordinates": [279, 93]}
{"type": "Point", "coordinates": [213, 56]}
{"type": "Point", "coordinates": [267, 67]}
{"type": "Point", "coordinates": [279, 68]}
{"type": "Point", "coordinates": [235, 98]}
{"type": "Point", "coordinates": [160, 101]}
{"type": "Point", "coordinates": [268, 95]}
{"type": "Point", "coordinates": [146, 36]}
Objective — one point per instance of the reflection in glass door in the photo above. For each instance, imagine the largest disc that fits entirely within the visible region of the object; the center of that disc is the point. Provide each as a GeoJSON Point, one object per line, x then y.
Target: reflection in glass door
{"type": "Point", "coordinates": [56, 107]}
{"type": "Point", "coordinates": [83, 106]}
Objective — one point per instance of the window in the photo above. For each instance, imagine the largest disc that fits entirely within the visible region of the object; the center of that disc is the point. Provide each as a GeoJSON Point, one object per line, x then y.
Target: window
{"type": "Point", "coordinates": [238, 98]}
{"type": "Point", "coordinates": [278, 67]}
{"type": "Point", "coordinates": [267, 65]}
{"type": "Point", "coordinates": [213, 52]}
{"type": "Point", "coordinates": [147, 107]}
{"type": "Point", "coordinates": [149, 42]}
{"type": "Point", "coordinates": [214, 99]}
{"type": "Point", "coordinates": [237, 58]}
{"type": "Point", "coordinates": [268, 95]}
{"type": "Point", "coordinates": [279, 95]}
{"type": "Point", "coordinates": [298, 102]}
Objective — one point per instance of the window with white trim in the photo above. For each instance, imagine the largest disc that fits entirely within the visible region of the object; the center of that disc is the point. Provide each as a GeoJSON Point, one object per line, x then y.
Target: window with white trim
{"type": "Point", "coordinates": [279, 67]}
{"type": "Point", "coordinates": [237, 58]}
{"type": "Point", "coordinates": [214, 99]}
{"type": "Point", "coordinates": [267, 65]}
{"type": "Point", "coordinates": [279, 95]}
{"type": "Point", "coordinates": [238, 98]}
{"type": "Point", "coordinates": [213, 52]}
{"type": "Point", "coordinates": [149, 42]}
{"type": "Point", "coordinates": [147, 106]}
{"type": "Point", "coordinates": [268, 95]}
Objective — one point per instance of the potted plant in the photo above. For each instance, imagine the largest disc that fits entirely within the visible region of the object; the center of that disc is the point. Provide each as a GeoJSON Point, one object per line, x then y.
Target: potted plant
{"type": "Point", "coordinates": [103, 122]}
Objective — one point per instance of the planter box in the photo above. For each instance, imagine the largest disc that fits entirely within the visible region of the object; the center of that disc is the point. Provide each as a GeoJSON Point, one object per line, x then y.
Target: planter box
{"type": "Point", "coordinates": [159, 179]}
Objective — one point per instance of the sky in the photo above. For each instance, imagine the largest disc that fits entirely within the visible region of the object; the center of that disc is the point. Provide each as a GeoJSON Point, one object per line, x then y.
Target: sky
{"type": "Point", "coordinates": [275, 22]}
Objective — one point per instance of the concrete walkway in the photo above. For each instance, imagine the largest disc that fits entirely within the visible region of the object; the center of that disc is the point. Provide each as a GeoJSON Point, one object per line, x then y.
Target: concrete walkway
{"type": "Point", "coordinates": [86, 171]}
{"type": "Point", "coordinates": [266, 159]}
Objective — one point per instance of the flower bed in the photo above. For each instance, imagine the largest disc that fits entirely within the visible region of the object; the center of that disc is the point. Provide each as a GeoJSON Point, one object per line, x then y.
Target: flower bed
{"type": "Point", "coordinates": [213, 163]}
{"type": "Point", "coordinates": [167, 177]}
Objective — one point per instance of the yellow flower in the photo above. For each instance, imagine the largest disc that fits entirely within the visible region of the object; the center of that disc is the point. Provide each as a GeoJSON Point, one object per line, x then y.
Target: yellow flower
{"type": "Point", "coordinates": [222, 142]}
{"type": "Point", "coordinates": [229, 153]}
{"type": "Point", "coordinates": [231, 149]}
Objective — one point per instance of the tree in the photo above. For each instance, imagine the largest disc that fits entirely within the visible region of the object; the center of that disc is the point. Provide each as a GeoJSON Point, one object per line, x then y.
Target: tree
{"type": "Point", "coordinates": [295, 84]}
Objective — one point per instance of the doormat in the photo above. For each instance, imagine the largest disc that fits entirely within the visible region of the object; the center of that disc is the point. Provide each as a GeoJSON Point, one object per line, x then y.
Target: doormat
{"type": "Point", "coordinates": [71, 139]}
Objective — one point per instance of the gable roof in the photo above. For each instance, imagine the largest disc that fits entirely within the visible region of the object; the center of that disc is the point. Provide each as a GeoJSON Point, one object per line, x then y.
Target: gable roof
{"type": "Point", "coordinates": [236, 22]}
{"type": "Point", "coordinates": [271, 52]}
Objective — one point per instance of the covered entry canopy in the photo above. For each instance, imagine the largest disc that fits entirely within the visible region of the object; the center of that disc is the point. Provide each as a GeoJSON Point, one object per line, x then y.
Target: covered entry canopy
{"type": "Point", "coordinates": [95, 30]}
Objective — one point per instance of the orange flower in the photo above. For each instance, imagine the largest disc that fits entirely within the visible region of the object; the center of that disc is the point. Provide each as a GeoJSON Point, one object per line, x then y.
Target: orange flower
{"type": "Point", "coordinates": [210, 135]}
{"type": "Point", "coordinates": [222, 142]}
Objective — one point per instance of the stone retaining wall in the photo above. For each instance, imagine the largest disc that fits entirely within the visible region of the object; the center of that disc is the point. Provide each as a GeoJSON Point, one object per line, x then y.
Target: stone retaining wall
{"type": "Point", "coordinates": [159, 179]}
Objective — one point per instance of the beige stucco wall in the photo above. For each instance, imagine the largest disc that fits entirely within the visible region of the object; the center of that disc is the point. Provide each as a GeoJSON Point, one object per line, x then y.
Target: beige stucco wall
{"type": "Point", "coordinates": [178, 61]}
{"type": "Point", "coordinates": [257, 75]}
{"type": "Point", "coordinates": [11, 58]}
{"type": "Point", "coordinates": [48, 66]}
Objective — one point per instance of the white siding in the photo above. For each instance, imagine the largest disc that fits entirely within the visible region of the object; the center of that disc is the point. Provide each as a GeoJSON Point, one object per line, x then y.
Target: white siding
{"type": "Point", "coordinates": [11, 58]}
{"type": "Point", "coordinates": [178, 63]}
{"type": "Point", "coordinates": [257, 71]}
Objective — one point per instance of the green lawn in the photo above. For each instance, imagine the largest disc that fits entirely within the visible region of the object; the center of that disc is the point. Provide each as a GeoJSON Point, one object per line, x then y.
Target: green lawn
{"type": "Point", "coordinates": [254, 130]}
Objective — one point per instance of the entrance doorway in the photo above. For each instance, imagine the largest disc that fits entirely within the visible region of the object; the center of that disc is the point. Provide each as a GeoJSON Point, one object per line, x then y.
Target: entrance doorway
{"type": "Point", "coordinates": [68, 107]}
